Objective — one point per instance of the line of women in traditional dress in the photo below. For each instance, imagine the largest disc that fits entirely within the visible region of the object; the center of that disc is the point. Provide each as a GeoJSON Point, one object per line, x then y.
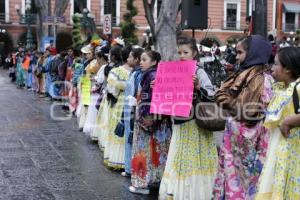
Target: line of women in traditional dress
{"type": "Point", "coordinates": [259, 155]}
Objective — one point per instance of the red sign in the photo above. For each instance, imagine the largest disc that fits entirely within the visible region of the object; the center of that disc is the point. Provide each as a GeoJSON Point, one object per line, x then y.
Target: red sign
{"type": "Point", "coordinates": [107, 24]}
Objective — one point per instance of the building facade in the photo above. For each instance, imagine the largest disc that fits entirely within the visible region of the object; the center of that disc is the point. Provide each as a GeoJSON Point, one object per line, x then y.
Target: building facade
{"type": "Point", "coordinates": [226, 18]}
{"type": "Point", "coordinates": [289, 16]}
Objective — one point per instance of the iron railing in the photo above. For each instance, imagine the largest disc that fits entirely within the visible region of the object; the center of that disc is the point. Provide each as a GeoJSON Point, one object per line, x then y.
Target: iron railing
{"type": "Point", "coordinates": [2, 17]}
{"type": "Point", "coordinates": [25, 18]}
{"type": "Point", "coordinates": [232, 25]}
{"type": "Point", "coordinates": [289, 27]}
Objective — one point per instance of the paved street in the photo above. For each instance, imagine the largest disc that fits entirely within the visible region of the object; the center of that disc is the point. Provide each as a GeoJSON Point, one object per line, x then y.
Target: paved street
{"type": "Point", "coordinates": [45, 159]}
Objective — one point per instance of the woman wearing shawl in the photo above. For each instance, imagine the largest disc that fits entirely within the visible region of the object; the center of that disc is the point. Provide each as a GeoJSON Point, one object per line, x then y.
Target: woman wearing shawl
{"type": "Point", "coordinates": [245, 95]}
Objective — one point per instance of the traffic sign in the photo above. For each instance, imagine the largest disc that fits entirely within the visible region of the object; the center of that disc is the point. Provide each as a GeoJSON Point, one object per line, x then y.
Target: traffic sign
{"type": "Point", "coordinates": [107, 24]}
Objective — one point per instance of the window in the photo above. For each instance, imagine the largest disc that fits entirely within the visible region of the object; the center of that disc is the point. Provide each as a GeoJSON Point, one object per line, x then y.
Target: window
{"type": "Point", "coordinates": [231, 18]}
{"type": "Point", "coordinates": [2, 11]}
{"type": "Point", "coordinates": [79, 5]}
{"type": "Point", "coordinates": [232, 14]}
{"type": "Point", "coordinates": [290, 21]}
{"type": "Point", "coordinates": [110, 8]}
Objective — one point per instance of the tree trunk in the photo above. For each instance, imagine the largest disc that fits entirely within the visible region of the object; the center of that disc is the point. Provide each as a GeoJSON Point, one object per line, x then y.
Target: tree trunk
{"type": "Point", "coordinates": [148, 7]}
{"type": "Point", "coordinates": [42, 30]}
{"type": "Point", "coordinates": [60, 7]}
{"type": "Point", "coordinates": [50, 27]}
{"type": "Point", "coordinates": [59, 10]}
{"type": "Point", "coordinates": [165, 30]}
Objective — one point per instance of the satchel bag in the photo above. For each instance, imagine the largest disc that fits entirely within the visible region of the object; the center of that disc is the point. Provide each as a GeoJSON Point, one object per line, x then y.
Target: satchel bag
{"type": "Point", "coordinates": [296, 99]}
{"type": "Point", "coordinates": [208, 115]}
{"type": "Point", "coordinates": [120, 128]}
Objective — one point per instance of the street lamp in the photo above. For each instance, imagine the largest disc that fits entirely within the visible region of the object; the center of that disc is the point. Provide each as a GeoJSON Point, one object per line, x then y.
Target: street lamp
{"type": "Point", "coordinates": [87, 22]}
{"type": "Point", "coordinates": [28, 18]}
{"type": "Point", "coordinates": [2, 30]}
{"type": "Point", "coordinates": [148, 36]}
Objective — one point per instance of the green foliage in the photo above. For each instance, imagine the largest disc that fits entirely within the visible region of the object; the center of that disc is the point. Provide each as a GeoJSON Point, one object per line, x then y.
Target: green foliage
{"type": "Point", "coordinates": [128, 27]}
{"type": "Point", "coordinates": [76, 34]}
{"type": "Point", "coordinates": [95, 36]}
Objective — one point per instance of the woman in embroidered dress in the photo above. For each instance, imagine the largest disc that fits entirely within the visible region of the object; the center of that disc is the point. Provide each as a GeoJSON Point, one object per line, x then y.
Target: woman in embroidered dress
{"type": "Point", "coordinates": [281, 172]}
{"type": "Point", "coordinates": [99, 80]}
{"type": "Point", "coordinates": [103, 116]}
{"type": "Point", "coordinates": [92, 111]}
{"type": "Point", "coordinates": [114, 151]}
{"type": "Point", "coordinates": [130, 104]}
{"type": "Point", "coordinates": [151, 137]}
{"type": "Point", "coordinates": [192, 158]}
{"type": "Point", "coordinates": [20, 72]}
{"type": "Point", "coordinates": [245, 94]}
{"type": "Point", "coordinates": [90, 68]}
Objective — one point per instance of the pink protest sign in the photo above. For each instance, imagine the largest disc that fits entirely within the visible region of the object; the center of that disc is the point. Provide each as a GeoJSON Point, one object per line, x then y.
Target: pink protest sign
{"type": "Point", "coordinates": [173, 88]}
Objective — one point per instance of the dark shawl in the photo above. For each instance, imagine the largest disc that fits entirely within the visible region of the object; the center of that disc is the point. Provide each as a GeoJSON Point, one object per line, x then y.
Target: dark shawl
{"type": "Point", "coordinates": [259, 52]}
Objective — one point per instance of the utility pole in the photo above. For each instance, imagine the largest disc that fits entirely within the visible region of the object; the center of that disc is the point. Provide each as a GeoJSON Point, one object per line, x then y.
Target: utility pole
{"type": "Point", "coordinates": [259, 14]}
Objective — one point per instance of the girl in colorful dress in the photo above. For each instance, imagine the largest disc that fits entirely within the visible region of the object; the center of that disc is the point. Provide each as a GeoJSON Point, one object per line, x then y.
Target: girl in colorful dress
{"type": "Point", "coordinates": [192, 158]}
{"type": "Point", "coordinates": [90, 67]}
{"type": "Point", "coordinates": [92, 111]}
{"type": "Point", "coordinates": [245, 95]}
{"type": "Point", "coordinates": [78, 69]}
{"type": "Point", "coordinates": [20, 72]}
{"type": "Point", "coordinates": [102, 60]}
{"type": "Point", "coordinates": [103, 116]}
{"type": "Point", "coordinates": [130, 104]}
{"type": "Point", "coordinates": [151, 137]}
{"type": "Point", "coordinates": [114, 152]}
{"type": "Point", "coordinates": [281, 173]}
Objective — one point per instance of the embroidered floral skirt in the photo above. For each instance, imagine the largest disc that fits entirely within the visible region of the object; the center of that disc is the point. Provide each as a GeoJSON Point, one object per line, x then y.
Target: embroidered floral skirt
{"type": "Point", "coordinates": [114, 151]}
{"type": "Point", "coordinates": [280, 179]}
{"type": "Point", "coordinates": [149, 155]}
{"type": "Point", "coordinates": [101, 129]}
{"type": "Point", "coordinates": [91, 115]}
{"type": "Point", "coordinates": [191, 165]}
{"type": "Point", "coordinates": [241, 159]}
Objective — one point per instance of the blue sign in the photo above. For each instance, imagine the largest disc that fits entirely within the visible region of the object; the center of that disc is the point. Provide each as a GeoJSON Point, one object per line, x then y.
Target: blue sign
{"type": "Point", "coordinates": [46, 41]}
{"type": "Point", "coordinates": [50, 19]}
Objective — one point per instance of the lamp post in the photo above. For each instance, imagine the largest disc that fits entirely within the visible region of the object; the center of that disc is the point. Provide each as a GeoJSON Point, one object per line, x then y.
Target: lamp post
{"type": "Point", "coordinates": [28, 18]}
{"type": "Point", "coordinates": [87, 22]}
{"type": "Point", "coordinates": [148, 37]}
{"type": "Point", "coordinates": [259, 14]}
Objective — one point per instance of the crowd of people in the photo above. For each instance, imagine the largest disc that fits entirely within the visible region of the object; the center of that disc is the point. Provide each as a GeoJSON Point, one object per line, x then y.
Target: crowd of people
{"type": "Point", "coordinates": [108, 87]}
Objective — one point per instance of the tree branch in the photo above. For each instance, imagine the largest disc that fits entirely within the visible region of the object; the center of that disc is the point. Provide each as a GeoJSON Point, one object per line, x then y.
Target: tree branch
{"type": "Point", "coordinates": [60, 7]}
{"type": "Point", "coordinates": [149, 16]}
{"type": "Point", "coordinates": [152, 4]}
{"type": "Point", "coordinates": [166, 15]}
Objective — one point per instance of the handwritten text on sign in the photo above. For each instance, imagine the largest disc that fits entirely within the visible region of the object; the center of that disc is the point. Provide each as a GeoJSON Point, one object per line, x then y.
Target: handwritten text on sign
{"type": "Point", "coordinates": [173, 89]}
